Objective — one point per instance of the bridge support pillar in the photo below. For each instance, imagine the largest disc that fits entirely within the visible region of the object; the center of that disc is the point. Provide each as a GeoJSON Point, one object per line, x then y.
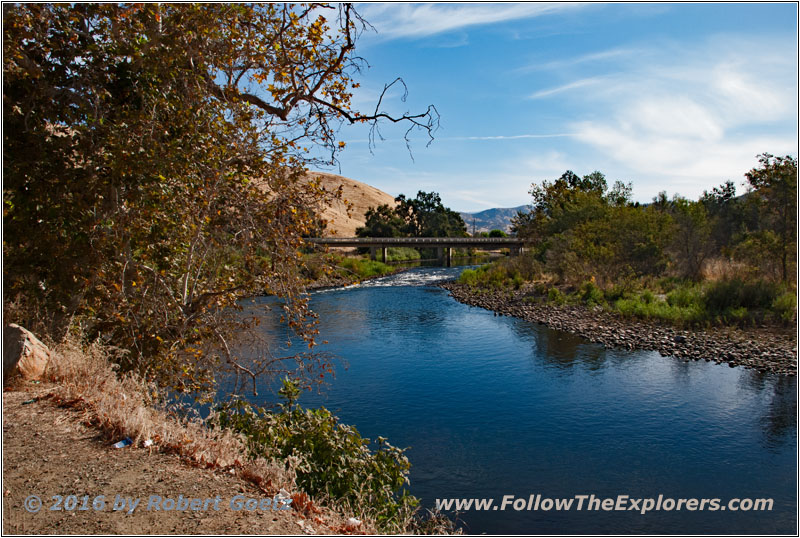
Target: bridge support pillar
{"type": "Point", "coordinates": [373, 253]}
{"type": "Point", "coordinates": [516, 251]}
{"type": "Point", "coordinates": [445, 256]}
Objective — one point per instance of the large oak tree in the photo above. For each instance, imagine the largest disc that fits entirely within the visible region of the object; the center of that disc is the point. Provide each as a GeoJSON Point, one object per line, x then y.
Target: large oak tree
{"type": "Point", "coordinates": [153, 161]}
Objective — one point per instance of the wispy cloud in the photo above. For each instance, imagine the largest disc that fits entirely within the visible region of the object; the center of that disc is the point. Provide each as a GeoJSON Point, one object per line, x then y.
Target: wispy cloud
{"type": "Point", "coordinates": [509, 137]}
{"type": "Point", "coordinates": [582, 83]}
{"type": "Point", "coordinates": [395, 20]}
{"type": "Point", "coordinates": [692, 118]}
{"type": "Point", "coordinates": [593, 58]}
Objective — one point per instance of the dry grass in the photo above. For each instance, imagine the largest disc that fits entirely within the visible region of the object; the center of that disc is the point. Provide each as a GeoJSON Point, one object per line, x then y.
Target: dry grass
{"type": "Point", "coordinates": [715, 269]}
{"type": "Point", "coordinates": [360, 198]}
{"type": "Point", "coordinates": [124, 406]}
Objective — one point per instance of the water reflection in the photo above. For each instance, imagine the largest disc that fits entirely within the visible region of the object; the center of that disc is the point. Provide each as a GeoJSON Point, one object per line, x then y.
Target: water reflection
{"type": "Point", "coordinates": [779, 422]}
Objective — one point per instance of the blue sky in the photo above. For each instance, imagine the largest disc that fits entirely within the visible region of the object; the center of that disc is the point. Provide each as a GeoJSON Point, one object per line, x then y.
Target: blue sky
{"type": "Point", "coordinates": [675, 97]}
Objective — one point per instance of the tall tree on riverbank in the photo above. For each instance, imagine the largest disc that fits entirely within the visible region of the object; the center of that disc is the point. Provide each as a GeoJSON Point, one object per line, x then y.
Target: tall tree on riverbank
{"type": "Point", "coordinates": [774, 186]}
{"type": "Point", "coordinates": [153, 156]}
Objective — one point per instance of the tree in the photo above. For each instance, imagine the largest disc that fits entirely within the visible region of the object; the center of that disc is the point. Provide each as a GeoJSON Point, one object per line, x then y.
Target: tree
{"type": "Point", "coordinates": [497, 233]}
{"type": "Point", "coordinates": [382, 221]}
{"type": "Point", "coordinates": [692, 243]}
{"type": "Point", "coordinates": [725, 211]}
{"type": "Point", "coordinates": [426, 216]}
{"type": "Point", "coordinates": [153, 171]}
{"type": "Point", "coordinates": [774, 186]}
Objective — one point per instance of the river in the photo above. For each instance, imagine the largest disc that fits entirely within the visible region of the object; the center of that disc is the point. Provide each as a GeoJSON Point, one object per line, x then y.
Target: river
{"type": "Point", "coordinates": [493, 406]}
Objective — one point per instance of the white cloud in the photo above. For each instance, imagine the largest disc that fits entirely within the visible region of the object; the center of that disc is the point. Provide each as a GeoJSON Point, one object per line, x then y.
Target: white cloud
{"type": "Point", "coordinates": [582, 83]}
{"type": "Point", "coordinates": [395, 20]}
{"type": "Point", "coordinates": [692, 118]}
{"type": "Point", "coordinates": [510, 137]}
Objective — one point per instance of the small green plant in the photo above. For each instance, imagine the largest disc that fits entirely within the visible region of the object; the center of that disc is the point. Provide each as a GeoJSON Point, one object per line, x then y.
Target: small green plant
{"type": "Point", "coordinates": [647, 297]}
{"type": "Point", "coordinates": [554, 295]}
{"type": "Point", "coordinates": [785, 307]}
{"type": "Point", "coordinates": [330, 458]}
{"type": "Point", "coordinates": [468, 277]}
{"type": "Point", "coordinates": [685, 296]}
{"type": "Point", "coordinates": [363, 268]}
{"type": "Point", "coordinates": [590, 294]}
{"type": "Point", "coordinates": [400, 254]}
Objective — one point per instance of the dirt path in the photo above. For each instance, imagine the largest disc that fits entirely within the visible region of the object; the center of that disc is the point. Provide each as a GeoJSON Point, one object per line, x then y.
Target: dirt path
{"type": "Point", "coordinates": [48, 451]}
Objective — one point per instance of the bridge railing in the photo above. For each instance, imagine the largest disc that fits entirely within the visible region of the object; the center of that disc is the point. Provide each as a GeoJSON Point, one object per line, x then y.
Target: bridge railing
{"type": "Point", "coordinates": [499, 242]}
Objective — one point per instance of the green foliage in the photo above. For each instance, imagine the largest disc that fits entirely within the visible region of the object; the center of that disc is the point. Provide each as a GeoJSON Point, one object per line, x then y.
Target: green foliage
{"type": "Point", "coordinates": [590, 294]}
{"type": "Point", "coordinates": [555, 295]}
{"type": "Point", "coordinates": [363, 268]}
{"type": "Point", "coordinates": [775, 195]}
{"type": "Point", "coordinates": [468, 277]}
{"type": "Point", "coordinates": [657, 309]}
{"type": "Point", "coordinates": [692, 244]}
{"type": "Point", "coordinates": [330, 458]}
{"type": "Point", "coordinates": [647, 297]}
{"type": "Point", "coordinates": [423, 216]}
{"type": "Point", "coordinates": [685, 296]}
{"type": "Point", "coordinates": [497, 233]}
{"type": "Point", "coordinates": [505, 273]}
{"type": "Point", "coordinates": [382, 221]}
{"type": "Point", "coordinates": [725, 298]}
{"type": "Point", "coordinates": [785, 307]}
{"type": "Point", "coordinates": [401, 254]}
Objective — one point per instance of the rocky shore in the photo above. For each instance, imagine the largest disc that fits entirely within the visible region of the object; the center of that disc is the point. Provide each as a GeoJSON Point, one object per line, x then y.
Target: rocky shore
{"type": "Point", "coordinates": [762, 349]}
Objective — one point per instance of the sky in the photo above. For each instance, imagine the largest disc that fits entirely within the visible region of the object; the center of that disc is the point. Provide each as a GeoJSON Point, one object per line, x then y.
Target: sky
{"type": "Point", "coordinates": [670, 97]}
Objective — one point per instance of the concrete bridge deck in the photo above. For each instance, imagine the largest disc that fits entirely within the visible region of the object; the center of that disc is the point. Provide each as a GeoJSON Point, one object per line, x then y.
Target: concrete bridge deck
{"type": "Point", "coordinates": [444, 245]}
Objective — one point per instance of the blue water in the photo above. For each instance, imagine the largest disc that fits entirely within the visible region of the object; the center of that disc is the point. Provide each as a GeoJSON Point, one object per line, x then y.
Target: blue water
{"type": "Point", "coordinates": [493, 406]}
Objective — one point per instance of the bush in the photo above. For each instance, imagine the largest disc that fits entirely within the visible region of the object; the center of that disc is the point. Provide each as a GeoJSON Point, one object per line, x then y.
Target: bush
{"type": "Point", "coordinates": [685, 296]}
{"type": "Point", "coordinates": [590, 293]}
{"type": "Point", "coordinates": [468, 277]}
{"type": "Point", "coordinates": [554, 295]}
{"type": "Point", "coordinates": [401, 254]}
{"type": "Point", "coordinates": [725, 299]}
{"type": "Point", "coordinates": [362, 268]}
{"type": "Point", "coordinates": [647, 297]}
{"type": "Point", "coordinates": [329, 458]}
{"type": "Point", "coordinates": [785, 307]}
{"type": "Point", "coordinates": [655, 309]}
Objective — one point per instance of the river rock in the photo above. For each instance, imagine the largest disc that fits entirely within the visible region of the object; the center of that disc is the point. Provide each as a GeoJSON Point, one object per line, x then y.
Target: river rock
{"type": "Point", "coordinates": [23, 354]}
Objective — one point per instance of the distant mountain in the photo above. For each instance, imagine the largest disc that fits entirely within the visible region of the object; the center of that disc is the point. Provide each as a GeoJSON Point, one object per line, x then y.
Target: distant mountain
{"type": "Point", "coordinates": [498, 218]}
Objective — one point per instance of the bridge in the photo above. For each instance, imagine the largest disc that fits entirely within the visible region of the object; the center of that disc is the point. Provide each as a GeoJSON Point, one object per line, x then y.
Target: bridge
{"type": "Point", "coordinates": [444, 245]}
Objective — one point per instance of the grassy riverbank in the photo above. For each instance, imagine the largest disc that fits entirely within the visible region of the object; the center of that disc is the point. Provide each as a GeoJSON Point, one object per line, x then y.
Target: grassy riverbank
{"type": "Point", "coordinates": [731, 301]}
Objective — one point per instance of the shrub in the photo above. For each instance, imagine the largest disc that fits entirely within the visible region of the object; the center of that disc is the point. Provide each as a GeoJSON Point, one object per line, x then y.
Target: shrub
{"type": "Point", "coordinates": [362, 268]}
{"type": "Point", "coordinates": [685, 296]}
{"type": "Point", "coordinates": [785, 307]}
{"type": "Point", "coordinates": [725, 298]}
{"type": "Point", "coordinates": [647, 297]}
{"type": "Point", "coordinates": [554, 295]}
{"type": "Point", "coordinates": [329, 458]}
{"type": "Point", "coordinates": [400, 254]}
{"type": "Point", "coordinates": [590, 293]}
{"type": "Point", "coordinates": [468, 277]}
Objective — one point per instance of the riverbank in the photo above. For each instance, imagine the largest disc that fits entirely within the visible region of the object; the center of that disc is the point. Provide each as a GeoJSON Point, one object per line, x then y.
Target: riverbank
{"type": "Point", "coordinates": [762, 349]}
{"type": "Point", "coordinates": [59, 437]}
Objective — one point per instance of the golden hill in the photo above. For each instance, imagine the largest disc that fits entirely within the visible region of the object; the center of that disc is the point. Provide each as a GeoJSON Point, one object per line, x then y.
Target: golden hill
{"type": "Point", "coordinates": [361, 197]}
